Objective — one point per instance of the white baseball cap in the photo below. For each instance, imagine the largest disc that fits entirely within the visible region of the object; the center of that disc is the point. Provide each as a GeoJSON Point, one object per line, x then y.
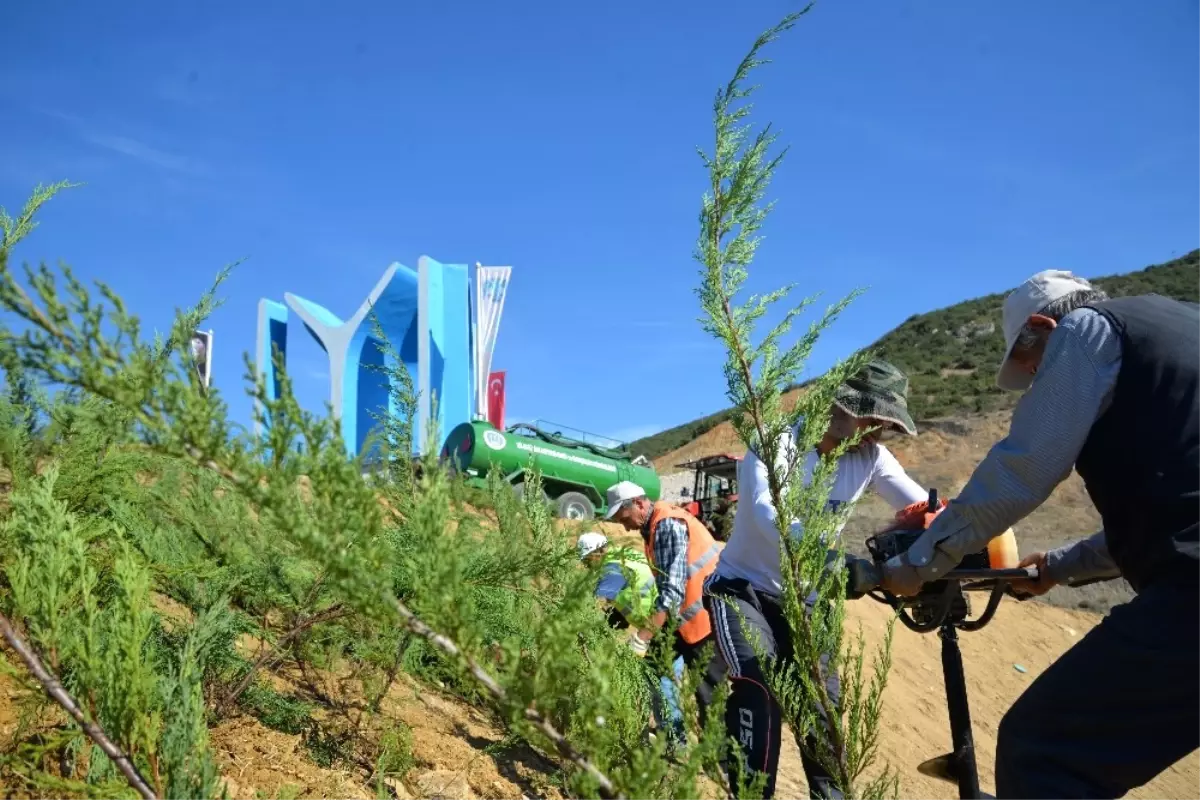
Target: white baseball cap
{"type": "Point", "coordinates": [590, 542]}
{"type": "Point", "coordinates": [1026, 300]}
{"type": "Point", "coordinates": [619, 493]}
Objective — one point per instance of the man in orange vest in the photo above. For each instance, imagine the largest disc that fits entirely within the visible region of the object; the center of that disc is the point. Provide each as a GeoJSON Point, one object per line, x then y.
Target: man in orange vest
{"type": "Point", "coordinates": [682, 554]}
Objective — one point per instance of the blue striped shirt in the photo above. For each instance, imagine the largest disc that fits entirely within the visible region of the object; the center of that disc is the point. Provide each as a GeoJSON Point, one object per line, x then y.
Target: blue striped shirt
{"type": "Point", "coordinates": [670, 562]}
{"type": "Point", "coordinates": [1072, 388]}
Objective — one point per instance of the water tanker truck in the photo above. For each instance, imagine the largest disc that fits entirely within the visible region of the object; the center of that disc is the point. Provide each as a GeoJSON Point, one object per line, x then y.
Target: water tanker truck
{"type": "Point", "coordinates": [575, 473]}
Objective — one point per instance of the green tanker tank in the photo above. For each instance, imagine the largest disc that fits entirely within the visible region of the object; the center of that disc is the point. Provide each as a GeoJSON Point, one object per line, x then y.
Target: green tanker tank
{"type": "Point", "coordinates": [575, 473]}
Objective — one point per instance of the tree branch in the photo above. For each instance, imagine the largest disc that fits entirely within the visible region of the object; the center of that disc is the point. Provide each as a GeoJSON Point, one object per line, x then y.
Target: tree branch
{"type": "Point", "coordinates": [60, 696]}
{"type": "Point", "coordinates": [333, 612]}
{"type": "Point", "coordinates": [443, 643]}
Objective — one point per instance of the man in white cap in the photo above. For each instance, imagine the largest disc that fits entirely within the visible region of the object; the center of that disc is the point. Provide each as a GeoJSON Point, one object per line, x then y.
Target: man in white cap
{"type": "Point", "coordinates": [1110, 389]}
{"type": "Point", "coordinates": [682, 553]}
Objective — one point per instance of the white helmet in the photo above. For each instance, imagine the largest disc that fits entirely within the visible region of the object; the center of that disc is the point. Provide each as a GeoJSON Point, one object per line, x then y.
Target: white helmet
{"type": "Point", "coordinates": [590, 542]}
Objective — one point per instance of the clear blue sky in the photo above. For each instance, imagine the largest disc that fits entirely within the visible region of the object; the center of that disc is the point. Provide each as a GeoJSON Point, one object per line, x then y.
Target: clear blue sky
{"type": "Point", "coordinates": [940, 150]}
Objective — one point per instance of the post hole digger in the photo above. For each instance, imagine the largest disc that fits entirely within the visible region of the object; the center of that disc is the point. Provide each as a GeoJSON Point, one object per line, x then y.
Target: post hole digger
{"type": "Point", "coordinates": [943, 605]}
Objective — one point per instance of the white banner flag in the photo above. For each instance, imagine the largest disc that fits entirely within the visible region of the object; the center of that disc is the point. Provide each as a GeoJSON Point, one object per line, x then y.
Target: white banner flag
{"type": "Point", "coordinates": [491, 287]}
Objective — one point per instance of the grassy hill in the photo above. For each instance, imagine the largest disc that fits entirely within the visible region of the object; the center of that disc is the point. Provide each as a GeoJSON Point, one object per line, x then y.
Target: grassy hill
{"type": "Point", "coordinates": [951, 354]}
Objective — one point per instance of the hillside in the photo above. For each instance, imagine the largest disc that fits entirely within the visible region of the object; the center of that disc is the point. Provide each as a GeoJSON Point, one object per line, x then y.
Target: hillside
{"type": "Point", "coordinates": [454, 751]}
{"type": "Point", "coordinates": [951, 354]}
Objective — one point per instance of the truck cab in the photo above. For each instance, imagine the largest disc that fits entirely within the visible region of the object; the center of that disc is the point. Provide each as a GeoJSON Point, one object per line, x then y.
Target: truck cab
{"type": "Point", "coordinates": [714, 492]}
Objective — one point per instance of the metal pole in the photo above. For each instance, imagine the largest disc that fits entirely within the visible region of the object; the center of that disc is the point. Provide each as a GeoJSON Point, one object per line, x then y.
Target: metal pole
{"type": "Point", "coordinates": [963, 757]}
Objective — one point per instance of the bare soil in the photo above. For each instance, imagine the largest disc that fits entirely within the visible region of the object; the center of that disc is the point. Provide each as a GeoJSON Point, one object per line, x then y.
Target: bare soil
{"type": "Point", "coordinates": [457, 752]}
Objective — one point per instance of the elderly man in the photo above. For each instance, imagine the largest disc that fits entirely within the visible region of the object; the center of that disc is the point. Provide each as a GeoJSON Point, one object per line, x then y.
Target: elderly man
{"type": "Point", "coordinates": [682, 553]}
{"type": "Point", "coordinates": [748, 575]}
{"type": "Point", "coordinates": [1110, 388]}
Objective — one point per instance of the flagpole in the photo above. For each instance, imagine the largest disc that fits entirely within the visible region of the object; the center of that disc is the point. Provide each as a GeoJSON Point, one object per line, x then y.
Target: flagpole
{"type": "Point", "coordinates": [480, 379]}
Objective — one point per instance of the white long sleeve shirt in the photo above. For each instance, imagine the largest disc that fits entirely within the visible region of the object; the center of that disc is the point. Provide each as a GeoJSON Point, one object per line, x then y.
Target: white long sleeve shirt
{"type": "Point", "coordinates": [752, 552]}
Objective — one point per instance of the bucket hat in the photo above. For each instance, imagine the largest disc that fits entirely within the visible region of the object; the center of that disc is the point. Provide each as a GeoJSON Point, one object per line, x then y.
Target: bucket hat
{"type": "Point", "coordinates": [880, 391]}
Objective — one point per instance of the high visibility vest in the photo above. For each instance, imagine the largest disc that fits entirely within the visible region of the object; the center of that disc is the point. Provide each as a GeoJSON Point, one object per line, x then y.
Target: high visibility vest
{"type": "Point", "coordinates": [635, 600]}
{"type": "Point", "coordinates": [702, 554]}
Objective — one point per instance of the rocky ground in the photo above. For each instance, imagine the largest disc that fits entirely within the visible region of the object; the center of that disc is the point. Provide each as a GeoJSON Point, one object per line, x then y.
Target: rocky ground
{"type": "Point", "coordinates": [674, 484]}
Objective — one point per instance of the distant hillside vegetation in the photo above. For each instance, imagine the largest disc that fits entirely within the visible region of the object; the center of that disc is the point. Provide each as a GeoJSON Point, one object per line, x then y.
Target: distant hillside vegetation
{"type": "Point", "coordinates": [951, 354]}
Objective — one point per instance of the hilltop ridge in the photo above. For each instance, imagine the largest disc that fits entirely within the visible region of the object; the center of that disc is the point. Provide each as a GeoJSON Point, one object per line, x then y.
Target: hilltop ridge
{"type": "Point", "coordinates": [951, 354]}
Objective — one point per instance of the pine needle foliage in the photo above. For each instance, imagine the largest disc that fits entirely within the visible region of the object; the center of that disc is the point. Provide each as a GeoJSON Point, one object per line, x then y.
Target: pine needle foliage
{"type": "Point", "coordinates": [156, 538]}
{"type": "Point", "coordinates": [740, 168]}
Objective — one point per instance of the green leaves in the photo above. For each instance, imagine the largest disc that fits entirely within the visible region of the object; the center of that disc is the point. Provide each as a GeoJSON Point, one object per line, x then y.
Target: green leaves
{"type": "Point", "coordinates": [84, 598]}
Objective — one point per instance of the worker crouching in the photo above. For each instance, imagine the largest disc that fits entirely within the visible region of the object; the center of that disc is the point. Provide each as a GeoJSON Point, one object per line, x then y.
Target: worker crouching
{"type": "Point", "coordinates": [627, 590]}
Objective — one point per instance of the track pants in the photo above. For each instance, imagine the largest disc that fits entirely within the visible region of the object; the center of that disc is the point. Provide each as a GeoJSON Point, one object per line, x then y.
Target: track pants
{"type": "Point", "coordinates": [752, 716]}
{"type": "Point", "coordinates": [1116, 709]}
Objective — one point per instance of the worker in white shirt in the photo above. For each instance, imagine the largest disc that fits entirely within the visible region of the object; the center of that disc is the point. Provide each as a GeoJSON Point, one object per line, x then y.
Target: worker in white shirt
{"type": "Point", "coordinates": [748, 573]}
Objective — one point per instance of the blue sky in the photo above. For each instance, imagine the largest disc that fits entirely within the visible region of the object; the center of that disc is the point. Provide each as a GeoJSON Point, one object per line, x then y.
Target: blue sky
{"type": "Point", "coordinates": [939, 150]}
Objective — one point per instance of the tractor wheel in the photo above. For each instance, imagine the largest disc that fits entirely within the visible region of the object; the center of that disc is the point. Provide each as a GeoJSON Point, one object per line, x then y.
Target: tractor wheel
{"type": "Point", "coordinates": [573, 505]}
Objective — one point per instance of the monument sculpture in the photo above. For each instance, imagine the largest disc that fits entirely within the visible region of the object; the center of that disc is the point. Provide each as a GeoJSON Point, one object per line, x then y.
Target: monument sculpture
{"type": "Point", "coordinates": [430, 322]}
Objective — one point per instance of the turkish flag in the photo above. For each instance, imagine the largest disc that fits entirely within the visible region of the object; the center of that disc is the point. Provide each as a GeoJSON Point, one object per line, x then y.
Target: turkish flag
{"type": "Point", "coordinates": [495, 395]}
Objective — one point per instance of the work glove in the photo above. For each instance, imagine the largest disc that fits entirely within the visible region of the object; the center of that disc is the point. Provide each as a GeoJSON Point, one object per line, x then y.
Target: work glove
{"type": "Point", "coordinates": [637, 644]}
{"type": "Point", "coordinates": [862, 575]}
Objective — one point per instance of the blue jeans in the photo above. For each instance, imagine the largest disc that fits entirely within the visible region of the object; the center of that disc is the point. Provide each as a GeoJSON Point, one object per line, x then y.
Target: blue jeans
{"type": "Point", "coordinates": [664, 698]}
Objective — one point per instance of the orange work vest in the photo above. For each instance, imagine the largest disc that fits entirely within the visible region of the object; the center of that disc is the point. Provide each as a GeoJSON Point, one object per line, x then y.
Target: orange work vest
{"type": "Point", "coordinates": [702, 555]}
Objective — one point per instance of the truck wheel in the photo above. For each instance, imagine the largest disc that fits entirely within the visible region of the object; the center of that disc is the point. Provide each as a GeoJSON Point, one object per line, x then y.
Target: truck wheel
{"type": "Point", "coordinates": [519, 493]}
{"type": "Point", "coordinates": [573, 505]}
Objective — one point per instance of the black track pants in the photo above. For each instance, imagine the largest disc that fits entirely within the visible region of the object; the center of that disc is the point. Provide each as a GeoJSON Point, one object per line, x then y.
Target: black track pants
{"type": "Point", "coordinates": [752, 715]}
{"type": "Point", "coordinates": [1116, 709]}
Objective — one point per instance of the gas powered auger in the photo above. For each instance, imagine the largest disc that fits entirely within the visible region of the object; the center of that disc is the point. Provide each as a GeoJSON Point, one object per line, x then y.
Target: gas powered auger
{"type": "Point", "coordinates": [942, 605]}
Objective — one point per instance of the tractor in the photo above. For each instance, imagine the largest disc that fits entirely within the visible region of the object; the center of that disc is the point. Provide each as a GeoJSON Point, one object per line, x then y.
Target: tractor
{"type": "Point", "coordinates": [714, 492]}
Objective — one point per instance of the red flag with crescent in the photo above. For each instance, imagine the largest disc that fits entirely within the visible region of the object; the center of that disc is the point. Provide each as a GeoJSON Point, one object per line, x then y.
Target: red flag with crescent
{"type": "Point", "coordinates": [495, 397]}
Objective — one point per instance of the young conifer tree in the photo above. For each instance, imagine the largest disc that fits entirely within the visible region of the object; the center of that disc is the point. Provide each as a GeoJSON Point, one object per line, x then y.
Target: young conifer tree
{"type": "Point", "coordinates": [503, 607]}
{"type": "Point", "coordinates": [740, 168]}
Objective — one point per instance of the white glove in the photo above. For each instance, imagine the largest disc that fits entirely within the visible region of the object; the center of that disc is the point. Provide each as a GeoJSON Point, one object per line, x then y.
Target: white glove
{"type": "Point", "coordinates": [637, 644]}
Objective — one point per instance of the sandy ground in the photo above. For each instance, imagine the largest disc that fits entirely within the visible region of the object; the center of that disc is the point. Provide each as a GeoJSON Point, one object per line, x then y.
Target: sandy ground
{"type": "Point", "coordinates": [1025, 636]}
{"type": "Point", "coordinates": [1028, 635]}
{"type": "Point", "coordinates": [455, 753]}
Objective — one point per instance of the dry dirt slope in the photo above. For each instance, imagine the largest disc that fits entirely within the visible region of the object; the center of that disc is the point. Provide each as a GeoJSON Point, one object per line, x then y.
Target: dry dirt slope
{"type": "Point", "coordinates": [1025, 636]}
{"type": "Point", "coordinates": [449, 737]}
{"type": "Point", "coordinates": [1031, 634]}
{"type": "Point", "coordinates": [455, 747]}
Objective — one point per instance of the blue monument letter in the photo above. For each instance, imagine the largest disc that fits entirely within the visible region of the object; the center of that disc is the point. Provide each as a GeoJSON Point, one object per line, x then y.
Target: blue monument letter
{"type": "Point", "coordinates": [424, 316]}
{"type": "Point", "coordinates": [272, 337]}
{"type": "Point", "coordinates": [444, 353]}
